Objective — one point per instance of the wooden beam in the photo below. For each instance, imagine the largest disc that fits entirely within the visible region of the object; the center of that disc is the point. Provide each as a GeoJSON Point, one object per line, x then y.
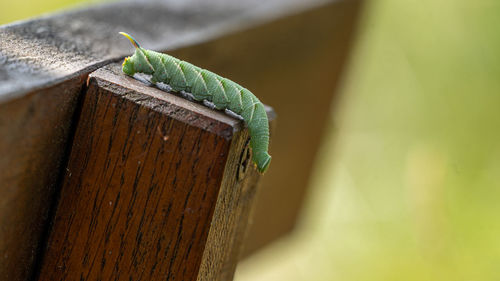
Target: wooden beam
{"type": "Point", "coordinates": [294, 64]}
{"type": "Point", "coordinates": [44, 63]}
{"type": "Point", "coordinates": [55, 48]}
{"type": "Point", "coordinates": [33, 148]}
{"type": "Point", "coordinates": [156, 188]}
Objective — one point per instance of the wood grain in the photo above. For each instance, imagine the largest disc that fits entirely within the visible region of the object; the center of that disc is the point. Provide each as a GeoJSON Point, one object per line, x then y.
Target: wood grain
{"type": "Point", "coordinates": [156, 188]}
{"type": "Point", "coordinates": [34, 132]}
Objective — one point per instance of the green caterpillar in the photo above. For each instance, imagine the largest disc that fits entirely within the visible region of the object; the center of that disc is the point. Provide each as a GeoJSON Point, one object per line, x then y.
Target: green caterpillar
{"type": "Point", "coordinates": [206, 86]}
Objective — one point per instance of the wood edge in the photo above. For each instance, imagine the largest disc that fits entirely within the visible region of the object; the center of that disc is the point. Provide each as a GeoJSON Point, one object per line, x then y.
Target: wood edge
{"type": "Point", "coordinates": [111, 78]}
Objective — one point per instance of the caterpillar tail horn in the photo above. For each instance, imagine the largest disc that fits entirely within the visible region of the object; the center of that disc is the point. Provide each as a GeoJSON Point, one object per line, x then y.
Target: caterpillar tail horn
{"type": "Point", "coordinates": [132, 40]}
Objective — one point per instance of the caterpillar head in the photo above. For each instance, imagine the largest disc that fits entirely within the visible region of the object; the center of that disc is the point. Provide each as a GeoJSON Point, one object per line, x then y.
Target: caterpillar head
{"type": "Point", "coordinates": [138, 62]}
{"type": "Point", "coordinates": [128, 66]}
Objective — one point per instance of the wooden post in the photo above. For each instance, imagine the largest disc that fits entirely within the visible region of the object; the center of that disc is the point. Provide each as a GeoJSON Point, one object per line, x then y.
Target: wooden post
{"type": "Point", "coordinates": [156, 188]}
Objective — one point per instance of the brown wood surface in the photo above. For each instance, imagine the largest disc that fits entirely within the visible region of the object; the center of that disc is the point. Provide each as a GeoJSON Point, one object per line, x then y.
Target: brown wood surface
{"type": "Point", "coordinates": [33, 142]}
{"type": "Point", "coordinates": [156, 188]}
{"type": "Point", "coordinates": [295, 65]}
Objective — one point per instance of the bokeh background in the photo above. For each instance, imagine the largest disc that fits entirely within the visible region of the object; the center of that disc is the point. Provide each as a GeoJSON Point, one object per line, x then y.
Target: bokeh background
{"type": "Point", "coordinates": [407, 184]}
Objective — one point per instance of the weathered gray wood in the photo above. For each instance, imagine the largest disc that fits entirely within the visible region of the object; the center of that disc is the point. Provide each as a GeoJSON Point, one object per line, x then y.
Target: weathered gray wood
{"type": "Point", "coordinates": [52, 49]}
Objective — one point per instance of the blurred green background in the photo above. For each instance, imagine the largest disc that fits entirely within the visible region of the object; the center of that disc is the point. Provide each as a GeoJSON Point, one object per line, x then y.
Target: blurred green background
{"type": "Point", "coordinates": [13, 10]}
{"type": "Point", "coordinates": [407, 179]}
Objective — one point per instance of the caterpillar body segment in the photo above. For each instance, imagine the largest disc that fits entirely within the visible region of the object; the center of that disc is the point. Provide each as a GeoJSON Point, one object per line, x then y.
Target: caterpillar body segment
{"type": "Point", "coordinates": [205, 85]}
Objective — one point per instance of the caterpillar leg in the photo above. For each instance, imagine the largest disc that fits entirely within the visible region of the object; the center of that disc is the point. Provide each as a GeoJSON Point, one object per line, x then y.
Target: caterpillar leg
{"type": "Point", "coordinates": [209, 104]}
{"type": "Point", "coordinates": [146, 79]}
{"type": "Point", "coordinates": [187, 95]}
{"type": "Point", "coordinates": [233, 114]}
{"type": "Point", "coordinates": [164, 87]}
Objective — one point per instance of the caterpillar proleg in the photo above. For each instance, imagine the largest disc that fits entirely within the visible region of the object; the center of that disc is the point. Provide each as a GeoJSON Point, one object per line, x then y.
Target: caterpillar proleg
{"type": "Point", "coordinates": [207, 87]}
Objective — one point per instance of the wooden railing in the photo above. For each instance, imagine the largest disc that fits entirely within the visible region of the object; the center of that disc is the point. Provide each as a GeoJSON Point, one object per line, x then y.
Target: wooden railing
{"type": "Point", "coordinates": [105, 178]}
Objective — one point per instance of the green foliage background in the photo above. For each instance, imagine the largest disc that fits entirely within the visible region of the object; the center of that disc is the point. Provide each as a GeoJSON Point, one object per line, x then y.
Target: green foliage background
{"type": "Point", "coordinates": [14, 10]}
{"type": "Point", "coordinates": [408, 179]}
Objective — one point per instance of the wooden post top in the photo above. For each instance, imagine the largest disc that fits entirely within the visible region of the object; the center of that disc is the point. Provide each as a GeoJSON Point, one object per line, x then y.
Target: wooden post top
{"type": "Point", "coordinates": [190, 113]}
